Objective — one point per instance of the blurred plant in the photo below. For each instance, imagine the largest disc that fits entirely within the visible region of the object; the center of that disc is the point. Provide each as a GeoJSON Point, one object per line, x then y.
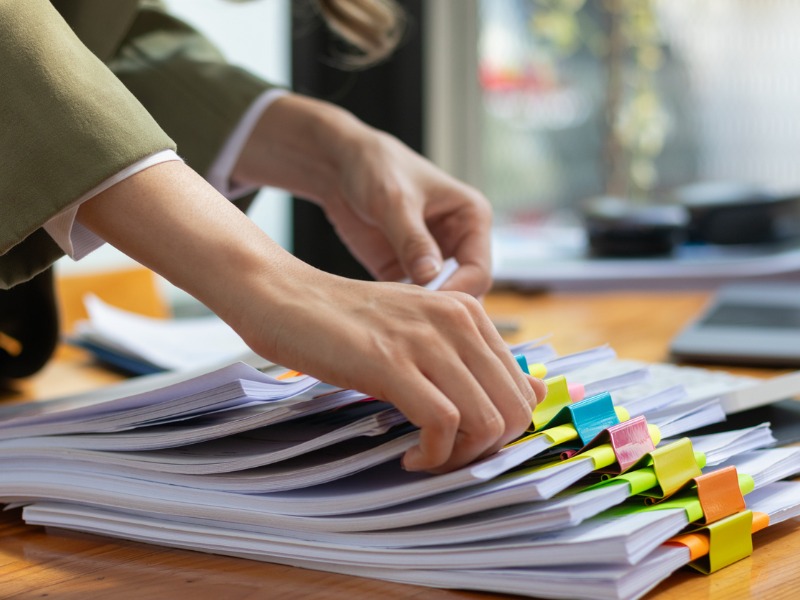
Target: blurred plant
{"type": "Point", "coordinates": [626, 36]}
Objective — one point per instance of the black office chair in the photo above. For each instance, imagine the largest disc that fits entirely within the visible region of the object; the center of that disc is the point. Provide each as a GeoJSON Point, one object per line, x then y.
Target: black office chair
{"type": "Point", "coordinates": [28, 326]}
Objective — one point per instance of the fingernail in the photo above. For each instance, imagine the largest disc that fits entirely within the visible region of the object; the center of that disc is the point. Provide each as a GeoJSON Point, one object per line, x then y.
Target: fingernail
{"type": "Point", "coordinates": [425, 268]}
{"type": "Point", "coordinates": [410, 461]}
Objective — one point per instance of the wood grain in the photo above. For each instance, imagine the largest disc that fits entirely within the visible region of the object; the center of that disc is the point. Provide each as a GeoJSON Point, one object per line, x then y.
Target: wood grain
{"type": "Point", "coordinates": [35, 563]}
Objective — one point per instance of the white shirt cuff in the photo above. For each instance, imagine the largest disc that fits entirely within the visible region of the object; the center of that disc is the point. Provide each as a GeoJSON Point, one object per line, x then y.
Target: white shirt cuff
{"type": "Point", "coordinates": [76, 240]}
{"type": "Point", "coordinates": [219, 174]}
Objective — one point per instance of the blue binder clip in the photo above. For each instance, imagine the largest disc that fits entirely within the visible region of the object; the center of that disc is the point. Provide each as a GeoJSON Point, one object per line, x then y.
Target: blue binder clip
{"type": "Point", "coordinates": [590, 416]}
{"type": "Point", "coordinates": [522, 362]}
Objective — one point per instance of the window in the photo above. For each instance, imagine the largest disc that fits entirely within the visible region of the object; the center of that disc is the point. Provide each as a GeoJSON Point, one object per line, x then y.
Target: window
{"type": "Point", "coordinates": [582, 98]}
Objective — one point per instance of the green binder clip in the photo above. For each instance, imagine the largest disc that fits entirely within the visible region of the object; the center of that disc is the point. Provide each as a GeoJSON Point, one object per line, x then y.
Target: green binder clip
{"type": "Point", "coordinates": [537, 370]}
{"type": "Point", "coordinates": [664, 470]}
{"type": "Point", "coordinates": [556, 399]}
{"type": "Point", "coordinates": [719, 544]}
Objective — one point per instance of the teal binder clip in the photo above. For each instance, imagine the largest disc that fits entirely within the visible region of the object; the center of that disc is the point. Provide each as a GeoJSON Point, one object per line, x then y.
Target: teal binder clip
{"type": "Point", "coordinates": [590, 416]}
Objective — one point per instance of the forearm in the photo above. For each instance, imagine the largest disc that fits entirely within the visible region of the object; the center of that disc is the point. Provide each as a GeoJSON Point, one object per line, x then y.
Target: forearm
{"type": "Point", "coordinates": [171, 221]}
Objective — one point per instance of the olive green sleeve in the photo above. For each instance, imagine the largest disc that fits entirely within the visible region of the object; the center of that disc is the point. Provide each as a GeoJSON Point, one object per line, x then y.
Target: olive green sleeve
{"type": "Point", "coordinates": [185, 83]}
{"type": "Point", "coordinates": [67, 125]}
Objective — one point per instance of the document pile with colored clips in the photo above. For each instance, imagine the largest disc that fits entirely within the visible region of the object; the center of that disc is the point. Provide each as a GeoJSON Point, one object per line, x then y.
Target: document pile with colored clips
{"type": "Point", "coordinates": [605, 496]}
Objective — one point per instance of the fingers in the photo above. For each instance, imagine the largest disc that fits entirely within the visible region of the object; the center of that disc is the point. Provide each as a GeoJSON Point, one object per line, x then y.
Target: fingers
{"type": "Point", "coordinates": [473, 279]}
{"type": "Point", "coordinates": [470, 403]}
{"type": "Point", "coordinates": [404, 226]}
{"type": "Point", "coordinates": [538, 386]}
{"type": "Point", "coordinates": [466, 235]}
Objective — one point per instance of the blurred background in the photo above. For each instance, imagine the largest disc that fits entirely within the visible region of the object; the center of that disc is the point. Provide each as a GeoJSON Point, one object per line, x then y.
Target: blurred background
{"type": "Point", "coordinates": [540, 103]}
{"type": "Point", "coordinates": [634, 97]}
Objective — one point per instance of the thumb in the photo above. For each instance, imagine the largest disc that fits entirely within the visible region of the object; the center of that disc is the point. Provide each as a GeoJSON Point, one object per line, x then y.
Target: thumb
{"type": "Point", "coordinates": [415, 248]}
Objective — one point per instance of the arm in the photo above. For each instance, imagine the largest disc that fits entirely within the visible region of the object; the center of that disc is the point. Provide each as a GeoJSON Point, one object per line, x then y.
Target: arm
{"type": "Point", "coordinates": [435, 356]}
{"type": "Point", "coordinates": [396, 211]}
{"type": "Point", "coordinates": [67, 125]}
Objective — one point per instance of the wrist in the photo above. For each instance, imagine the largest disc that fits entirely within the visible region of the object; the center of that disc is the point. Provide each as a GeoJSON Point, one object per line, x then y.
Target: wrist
{"type": "Point", "coordinates": [301, 145]}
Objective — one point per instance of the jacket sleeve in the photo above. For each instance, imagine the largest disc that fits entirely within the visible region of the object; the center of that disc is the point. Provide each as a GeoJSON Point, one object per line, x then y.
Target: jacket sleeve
{"type": "Point", "coordinates": [184, 81]}
{"type": "Point", "coordinates": [67, 125]}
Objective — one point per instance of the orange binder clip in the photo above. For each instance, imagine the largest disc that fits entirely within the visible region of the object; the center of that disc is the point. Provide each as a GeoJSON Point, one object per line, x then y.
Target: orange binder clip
{"type": "Point", "coordinates": [720, 494]}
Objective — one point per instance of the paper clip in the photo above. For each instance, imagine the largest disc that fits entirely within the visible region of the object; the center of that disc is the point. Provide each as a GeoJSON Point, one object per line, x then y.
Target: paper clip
{"type": "Point", "coordinates": [590, 416]}
{"type": "Point", "coordinates": [629, 441]}
{"type": "Point", "coordinates": [722, 543]}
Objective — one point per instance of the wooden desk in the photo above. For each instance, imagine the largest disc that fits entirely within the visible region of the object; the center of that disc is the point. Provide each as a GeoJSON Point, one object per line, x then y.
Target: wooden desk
{"type": "Point", "coordinates": [39, 564]}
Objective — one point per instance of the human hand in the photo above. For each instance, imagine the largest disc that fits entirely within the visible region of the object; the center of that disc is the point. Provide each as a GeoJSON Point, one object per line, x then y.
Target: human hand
{"type": "Point", "coordinates": [397, 212]}
{"type": "Point", "coordinates": [434, 355]}
{"type": "Point", "coordinates": [399, 215]}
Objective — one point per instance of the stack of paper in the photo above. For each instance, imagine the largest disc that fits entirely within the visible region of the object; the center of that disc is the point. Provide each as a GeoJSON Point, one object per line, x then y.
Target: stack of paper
{"type": "Point", "coordinates": [141, 345]}
{"type": "Point", "coordinates": [294, 471]}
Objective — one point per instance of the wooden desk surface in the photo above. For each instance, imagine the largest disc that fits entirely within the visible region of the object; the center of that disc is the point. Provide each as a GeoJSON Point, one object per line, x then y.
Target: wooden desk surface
{"type": "Point", "coordinates": [39, 564]}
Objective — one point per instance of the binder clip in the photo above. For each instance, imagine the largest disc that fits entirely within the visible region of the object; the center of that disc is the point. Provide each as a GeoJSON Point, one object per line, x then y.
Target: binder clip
{"type": "Point", "coordinates": [724, 501]}
{"type": "Point", "coordinates": [720, 494]}
{"type": "Point", "coordinates": [590, 416]}
{"type": "Point", "coordinates": [619, 446]}
{"type": "Point", "coordinates": [726, 536]}
{"type": "Point", "coordinates": [663, 471]}
{"type": "Point", "coordinates": [622, 445]}
{"type": "Point", "coordinates": [723, 542]}
{"type": "Point", "coordinates": [522, 362]}
{"type": "Point", "coordinates": [556, 399]}
{"type": "Point", "coordinates": [537, 370]}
